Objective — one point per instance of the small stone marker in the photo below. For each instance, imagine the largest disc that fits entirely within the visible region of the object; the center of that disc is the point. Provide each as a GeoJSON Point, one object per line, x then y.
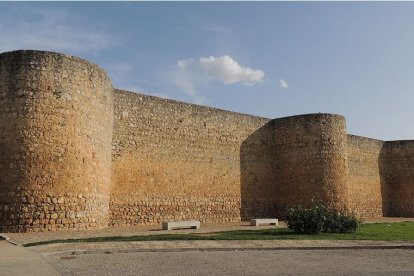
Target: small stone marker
{"type": "Point", "coordinates": [267, 221]}
{"type": "Point", "coordinates": [170, 225]}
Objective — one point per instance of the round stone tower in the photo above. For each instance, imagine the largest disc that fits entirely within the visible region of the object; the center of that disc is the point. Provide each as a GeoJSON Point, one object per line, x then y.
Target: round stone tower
{"type": "Point", "coordinates": [311, 160]}
{"type": "Point", "coordinates": [56, 118]}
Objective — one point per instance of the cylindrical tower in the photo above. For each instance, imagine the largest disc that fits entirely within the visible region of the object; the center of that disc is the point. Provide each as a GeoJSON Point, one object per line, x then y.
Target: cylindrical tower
{"type": "Point", "coordinates": [56, 118]}
{"type": "Point", "coordinates": [310, 160]}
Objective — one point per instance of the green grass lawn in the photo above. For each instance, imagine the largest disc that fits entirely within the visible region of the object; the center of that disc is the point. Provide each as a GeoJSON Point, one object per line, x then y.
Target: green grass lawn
{"type": "Point", "coordinates": [401, 231]}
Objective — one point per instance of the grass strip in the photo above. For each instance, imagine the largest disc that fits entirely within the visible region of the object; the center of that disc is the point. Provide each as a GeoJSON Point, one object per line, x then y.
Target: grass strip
{"type": "Point", "coordinates": [401, 231]}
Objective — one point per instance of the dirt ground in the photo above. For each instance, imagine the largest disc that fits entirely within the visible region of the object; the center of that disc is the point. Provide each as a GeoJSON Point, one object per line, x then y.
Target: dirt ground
{"type": "Point", "coordinates": [22, 238]}
{"type": "Point", "coordinates": [266, 262]}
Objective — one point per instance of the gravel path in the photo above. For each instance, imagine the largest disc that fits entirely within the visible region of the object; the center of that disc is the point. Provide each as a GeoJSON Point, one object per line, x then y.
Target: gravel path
{"type": "Point", "coordinates": [156, 246]}
{"type": "Point", "coordinates": [278, 262]}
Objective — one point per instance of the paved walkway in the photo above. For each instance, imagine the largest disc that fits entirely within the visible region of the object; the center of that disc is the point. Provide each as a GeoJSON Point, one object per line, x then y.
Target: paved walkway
{"type": "Point", "coordinates": [16, 260]}
{"type": "Point", "coordinates": [181, 246]}
{"type": "Point", "coordinates": [339, 262]}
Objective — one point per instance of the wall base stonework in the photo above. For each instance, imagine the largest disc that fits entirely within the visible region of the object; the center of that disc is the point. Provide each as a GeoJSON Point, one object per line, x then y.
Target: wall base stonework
{"type": "Point", "coordinates": [33, 211]}
{"type": "Point", "coordinates": [154, 210]}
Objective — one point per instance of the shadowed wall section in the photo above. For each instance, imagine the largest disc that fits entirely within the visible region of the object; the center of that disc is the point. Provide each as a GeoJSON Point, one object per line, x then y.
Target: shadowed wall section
{"type": "Point", "coordinates": [366, 182]}
{"type": "Point", "coordinates": [258, 185]}
{"type": "Point", "coordinates": [56, 117]}
{"type": "Point", "coordinates": [400, 178]}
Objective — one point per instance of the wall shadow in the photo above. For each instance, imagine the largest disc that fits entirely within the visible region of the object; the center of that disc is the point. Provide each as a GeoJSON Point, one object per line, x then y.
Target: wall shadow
{"type": "Point", "coordinates": [397, 177]}
{"type": "Point", "coordinates": [384, 181]}
{"type": "Point", "coordinates": [257, 177]}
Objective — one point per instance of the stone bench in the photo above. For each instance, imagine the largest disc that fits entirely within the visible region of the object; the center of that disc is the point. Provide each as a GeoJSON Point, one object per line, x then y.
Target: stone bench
{"type": "Point", "coordinates": [170, 225]}
{"type": "Point", "coordinates": [267, 221]}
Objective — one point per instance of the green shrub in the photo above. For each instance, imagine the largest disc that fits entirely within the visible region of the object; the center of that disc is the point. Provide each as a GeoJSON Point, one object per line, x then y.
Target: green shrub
{"type": "Point", "coordinates": [320, 218]}
{"type": "Point", "coordinates": [341, 221]}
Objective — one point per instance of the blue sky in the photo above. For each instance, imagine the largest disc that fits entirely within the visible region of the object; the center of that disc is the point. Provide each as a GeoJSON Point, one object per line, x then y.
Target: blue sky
{"type": "Point", "coordinates": [271, 59]}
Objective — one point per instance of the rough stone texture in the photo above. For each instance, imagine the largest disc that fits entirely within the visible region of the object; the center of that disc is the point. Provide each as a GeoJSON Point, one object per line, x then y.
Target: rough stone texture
{"type": "Point", "coordinates": [257, 176]}
{"type": "Point", "coordinates": [56, 118]}
{"type": "Point", "coordinates": [399, 173]}
{"type": "Point", "coordinates": [75, 153]}
{"type": "Point", "coordinates": [173, 160]}
{"type": "Point", "coordinates": [289, 161]}
{"type": "Point", "coordinates": [381, 177]}
{"type": "Point", "coordinates": [366, 164]}
{"type": "Point", "coordinates": [310, 160]}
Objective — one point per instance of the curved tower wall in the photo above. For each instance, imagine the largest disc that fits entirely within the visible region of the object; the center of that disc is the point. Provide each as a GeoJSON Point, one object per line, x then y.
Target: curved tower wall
{"type": "Point", "coordinates": [366, 176]}
{"type": "Point", "coordinates": [56, 117]}
{"type": "Point", "coordinates": [310, 160]}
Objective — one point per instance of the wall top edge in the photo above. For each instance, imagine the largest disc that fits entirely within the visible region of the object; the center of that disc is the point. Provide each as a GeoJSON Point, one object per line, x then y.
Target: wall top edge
{"type": "Point", "coordinates": [196, 106]}
{"type": "Point", "coordinates": [352, 136]}
{"type": "Point", "coordinates": [310, 116]}
{"type": "Point", "coordinates": [56, 55]}
{"type": "Point", "coordinates": [24, 52]}
{"type": "Point", "coordinates": [228, 111]}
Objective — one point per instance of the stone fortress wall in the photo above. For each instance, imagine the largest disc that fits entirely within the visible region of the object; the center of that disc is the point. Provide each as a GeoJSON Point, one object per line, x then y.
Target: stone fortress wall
{"type": "Point", "coordinates": [77, 154]}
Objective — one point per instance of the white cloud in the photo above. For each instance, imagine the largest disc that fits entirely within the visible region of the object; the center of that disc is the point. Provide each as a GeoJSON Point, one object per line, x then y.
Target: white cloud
{"type": "Point", "coordinates": [193, 73]}
{"type": "Point", "coordinates": [224, 69]}
{"type": "Point", "coordinates": [284, 84]}
{"type": "Point", "coordinates": [50, 29]}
